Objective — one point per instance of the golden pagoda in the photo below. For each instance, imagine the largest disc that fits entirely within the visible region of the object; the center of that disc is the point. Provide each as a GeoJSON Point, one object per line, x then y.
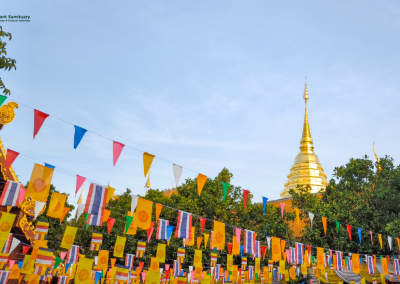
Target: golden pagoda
{"type": "Point", "coordinates": [306, 169]}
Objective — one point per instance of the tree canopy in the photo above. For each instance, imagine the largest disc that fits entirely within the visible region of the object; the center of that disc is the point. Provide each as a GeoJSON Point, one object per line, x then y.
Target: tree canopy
{"type": "Point", "coordinates": [6, 63]}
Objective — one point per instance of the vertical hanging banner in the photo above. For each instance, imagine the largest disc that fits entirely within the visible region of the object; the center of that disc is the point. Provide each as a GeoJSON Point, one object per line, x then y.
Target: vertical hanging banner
{"type": "Point", "coordinates": [10, 158]}
{"type": "Point", "coordinates": [39, 184]}
{"type": "Point", "coordinates": [39, 118]}
{"type": "Point", "coordinates": [201, 181]}
{"type": "Point", "coordinates": [245, 194]}
{"type": "Point", "coordinates": [147, 161]}
{"type": "Point", "coordinates": [177, 173]}
{"type": "Point", "coordinates": [79, 132]}
{"type": "Point", "coordinates": [218, 240]}
{"type": "Point", "coordinates": [117, 149]}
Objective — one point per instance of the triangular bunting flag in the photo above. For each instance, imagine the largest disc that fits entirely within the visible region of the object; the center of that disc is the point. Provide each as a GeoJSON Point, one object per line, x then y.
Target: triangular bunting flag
{"type": "Point", "coordinates": [225, 187]}
{"type": "Point", "coordinates": [199, 240]}
{"type": "Point", "coordinates": [129, 220]}
{"type": "Point", "coordinates": [238, 232]}
{"type": "Point", "coordinates": [282, 208]}
{"type": "Point", "coordinates": [370, 232]}
{"type": "Point", "coordinates": [201, 181]}
{"type": "Point", "coordinates": [10, 158]}
{"type": "Point", "coordinates": [64, 213]}
{"type": "Point", "coordinates": [147, 161]}
{"type": "Point", "coordinates": [79, 211]}
{"type": "Point", "coordinates": [245, 194]}
{"type": "Point", "coordinates": [177, 173]}
{"type": "Point", "coordinates": [264, 203]}
{"type": "Point", "coordinates": [79, 132]}
{"type": "Point", "coordinates": [110, 224]}
{"type": "Point", "coordinates": [39, 118]}
{"type": "Point", "coordinates": [38, 207]}
{"type": "Point", "coordinates": [57, 262]}
{"type": "Point", "coordinates": [15, 242]}
{"type": "Point", "coordinates": [337, 226]}
{"type": "Point", "coordinates": [2, 99]}
{"type": "Point", "coordinates": [311, 216]}
{"type": "Point", "coordinates": [359, 234]}
{"type": "Point", "coordinates": [79, 182]}
{"type": "Point", "coordinates": [158, 210]}
{"type": "Point", "coordinates": [117, 149]}
{"type": "Point", "coordinates": [202, 223]}
{"type": "Point", "coordinates": [324, 223]}
{"type": "Point", "coordinates": [349, 231]}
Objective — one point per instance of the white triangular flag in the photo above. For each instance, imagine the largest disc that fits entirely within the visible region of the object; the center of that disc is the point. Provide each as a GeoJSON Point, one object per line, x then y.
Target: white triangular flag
{"type": "Point", "coordinates": [95, 260]}
{"type": "Point", "coordinates": [269, 242]}
{"type": "Point", "coordinates": [184, 243]}
{"type": "Point", "coordinates": [133, 204]}
{"type": "Point", "coordinates": [79, 211]}
{"type": "Point", "coordinates": [311, 215]}
{"type": "Point", "coordinates": [390, 242]}
{"type": "Point", "coordinates": [177, 173]}
{"type": "Point", "coordinates": [161, 270]}
{"type": "Point", "coordinates": [326, 275]}
{"type": "Point", "coordinates": [14, 244]}
{"type": "Point", "coordinates": [212, 270]}
{"type": "Point", "coordinates": [38, 207]}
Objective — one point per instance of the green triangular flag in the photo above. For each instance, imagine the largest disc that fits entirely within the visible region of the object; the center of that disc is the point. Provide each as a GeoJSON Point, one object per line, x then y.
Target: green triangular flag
{"type": "Point", "coordinates": [2, 99]}
{"type": "Point", "coordinates": [313, 259]}
{"type": "Point", "coordinates": [86, 217]}
{"type": "Point", "coordinates": [225, 186]}
{"type": "Point", "coordinates": [58, 261]}
{"type": "Point", "coordinates": [129, 220]}
{"type": "Point", "coordinates": [337, 226]}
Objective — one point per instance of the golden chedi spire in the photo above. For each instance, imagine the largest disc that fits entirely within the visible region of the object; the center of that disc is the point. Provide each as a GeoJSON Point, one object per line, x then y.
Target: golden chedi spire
{"type": "Point", "coordinates": [306, 169]}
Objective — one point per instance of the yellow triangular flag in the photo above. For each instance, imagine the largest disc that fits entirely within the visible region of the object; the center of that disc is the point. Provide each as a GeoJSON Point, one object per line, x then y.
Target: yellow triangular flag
{"type": "Point", "coordinates": [9, 209]}
{"type": "Point", "coordinates": [297, 215]}
{"type": "Point", "coordinates": [147, 160]}
{"type": "Point", "coordinates": [110, 192]}
{"type": "Point", "coordinates": [380, 239]}
{"type": "Point", "coordinates": [158, 210]}
{"type": "Point", "coordinates": [206, 237]}
{"type": "Point", "coordinates": [201, 180]}
{"type": "Point", "coordinates": [199, 240]}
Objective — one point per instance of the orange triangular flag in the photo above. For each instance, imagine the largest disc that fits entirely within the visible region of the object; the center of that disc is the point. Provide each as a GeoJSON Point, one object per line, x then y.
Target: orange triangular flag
{"type": "Point", "coordinates": [158, 210]}
{"type": "Point", "coordinates": [64, 213]}
{"type": "Point", "coordinates": [113, 260]}
{"type": "Point", "coordinates": [324, 223]}
{"type": "Point", "coordinates": [106, 215]}
{"type": "Point", "coordinates": [283, 243]}
{"type": "Point", "coordinates": [199, 240]}
{"type": "Point", "coordinates": [201, 180]}
{"type": "Point", "coordinates": [206, 236]}
{"type": "Point", "coordinates": [9, 209]}
{"type": "Point", "coordinates": [20, 278]}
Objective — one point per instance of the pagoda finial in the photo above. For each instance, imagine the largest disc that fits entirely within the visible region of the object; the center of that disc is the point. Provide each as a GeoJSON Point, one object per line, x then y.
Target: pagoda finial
{"type": "Point", "coordinates": [376, 156]}
{"type": "Point", "coordinates": [80, 197]}
{"type": "Point", "coordinates": [306, 127]}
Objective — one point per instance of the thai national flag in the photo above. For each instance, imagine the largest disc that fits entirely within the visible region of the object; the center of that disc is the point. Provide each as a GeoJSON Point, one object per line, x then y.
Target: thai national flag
{"type": "Point", "coordinates": [349, 264]}
{"type": "Point", "coordinates": [299, 250]}
{"type": "Point", "coordinates": [177, 268]}
{"type": "Point", "coordinates": [95, 220]}
{"type": "Point", "coordinates": [370, 264]}
{"type": "Point", "coordinates": [162, 229]}
{"type": "Point", "coordinates": [62, 280]}
{"type": "Point", "coordinates": [73, 255]}
{"type": "Point", "coordinates": [292, 255]}
{"type": "Point", "coordinates": [96, 200]}
{"type": "Point", "coordinates": [129, 259]}
{"type": "Point", "coordinates": [258, 249]}
{"type": "Point", "coordinates": [4, 275]}
{"type": "Point", "coordinates": [249, 241]}
{"type": "Point", "coordinates": [339, 260]}
{"type": "Point", "coordinates": [7, 245]}
{"type": "Point", "coordinates": [217, 273]}
{"type": "Point", "coordinates": [396, 267]}
{"type": "Point", "coordinates": [10, 194]}
{"type": "Point", "coordinates": [251, 272]}
{"type": "Point", "coordinates": [184, 225]}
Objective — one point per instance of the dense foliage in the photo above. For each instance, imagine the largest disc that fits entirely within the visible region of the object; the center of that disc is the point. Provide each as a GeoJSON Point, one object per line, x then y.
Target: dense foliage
{"type": "Point", "coordinates": [6, 63]}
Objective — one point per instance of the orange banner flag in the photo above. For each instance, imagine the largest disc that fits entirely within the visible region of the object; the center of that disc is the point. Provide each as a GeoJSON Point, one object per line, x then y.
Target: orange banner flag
{"type": "Point", "coordinates": [356, 263]}
{"type": "Point", "coordinates": [65, 212]}
{"type": "Point", "coordinates": [218, 240]}
{"type": "Point", "coordinates": [201, 181]}
{"type": "Point", "coordinates": [385, 269]}
{"type": "Point", "coordinates": [324, 220]}
{"type": "Point", "coordinates": [320, 258]}
{"type": "Point", "coordinates": [190, 241]}
{"type": "Point", "coordinates": [199, 240]}
{"type": "Point", "coordinates": [158, 210]}
{"type": "Point", "coordinates": [276, 249]}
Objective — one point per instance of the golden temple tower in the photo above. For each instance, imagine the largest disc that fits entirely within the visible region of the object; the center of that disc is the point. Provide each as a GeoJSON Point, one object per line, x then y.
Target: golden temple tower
{"type": "Point", "coordinates": [306, 169]}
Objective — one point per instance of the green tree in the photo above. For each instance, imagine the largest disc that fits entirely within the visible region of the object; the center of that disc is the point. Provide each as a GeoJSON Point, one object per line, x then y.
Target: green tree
{"type": "Point", "coordinates": [358, 195]}
{"type": "Point", "coordinates": [6, 63]}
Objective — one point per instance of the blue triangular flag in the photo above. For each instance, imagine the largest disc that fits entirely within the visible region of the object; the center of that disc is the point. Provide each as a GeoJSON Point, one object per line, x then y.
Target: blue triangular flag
{"type": "Point", "coordinates": [359, 234]}
{"type": "Point", "coordinates": [49, 166]}
{"type": "Point", "coordinates": [169, 231]}
{"type": "Point", "coordinates": [274, 273]}
{"type": "Point", "coordinates": [79, 132]}
{"type": "Point", "coordinates": [67, 266]}
{"type": "Point", "coordinates": [241, 250]}
{"type": "Point", "coordinates": [20, 263]}
{"type": "Point", "coordinates": [98, 277]}
{"type": "Point", "coordinates": [264, 203]}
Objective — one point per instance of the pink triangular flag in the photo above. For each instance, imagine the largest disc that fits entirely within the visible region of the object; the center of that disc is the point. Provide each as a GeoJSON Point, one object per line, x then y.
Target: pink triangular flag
{"type": "Point", "coordinates": [282, 208]}
{"type": "Point", "coordinates": [11, 263]}
{"type": "Point", "coordinates": [288, 255]}
{"type": "Point", "coordinates": [238, 232]}
{"type": "Point", "coordinates": [166, 266]}
{"type": "Point", "coordinates": [330, 252]}
{"type": "Point", "coordinates": [63, 254]}
{"type": "Point", "coordinates": [11, 156]}
{"type": "Point", "coordinates": [79, 182]}
{"type": "Point", "coordinates": [117, 149]}
{"type": "Point", "coordinates": [143, 276]}
{"type": "Point", "coordinates": [21, 195]}
{"type": "Point", "coordinates": [370, 232]}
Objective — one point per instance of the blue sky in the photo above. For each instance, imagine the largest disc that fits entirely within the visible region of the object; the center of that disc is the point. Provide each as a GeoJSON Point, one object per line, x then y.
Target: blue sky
{"type": "Point", "coordinates": [203, 84]}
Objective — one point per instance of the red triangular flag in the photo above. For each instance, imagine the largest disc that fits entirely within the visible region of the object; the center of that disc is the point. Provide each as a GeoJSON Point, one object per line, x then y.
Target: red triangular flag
{"type": "Point", "coordinates": [202, 222]}
{"type": "Point", "coordinates": [79, 182]}
{"type": "Point", "coordinates": [25, 249]}
{"type": "Point", "coordinates": [141, 265]}
{"type": "Point", "coordinates": [11, 156]}
{"type": "Point", "coordinates": [110, 224]}
{"type": "Point", "coordinates": [117, 149]}
{"type": "Point", "coordinates": [229, 247]}
{"type": "Point", "coordinates": [263, 249]}
{"type": "Point", "coordinates": [349, 231]}
{"type": "Point", "coordinates": [39, 118]}
{"type": "Point", "coordinates": [370, 232]}
{"type": "Point", "coordinates": [245, 193]}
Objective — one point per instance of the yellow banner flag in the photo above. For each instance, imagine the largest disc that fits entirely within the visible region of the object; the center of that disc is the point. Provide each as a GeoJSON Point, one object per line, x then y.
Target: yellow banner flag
{"type": "Point", "coordinates": [152, 277]}
{"type": "Point", "coordinates": [235, 273]}
{"type": "Point", "coordinates": [144, 210]}
{"type": "Point", "coordinates": [356, 263]}
{"type": "Point", "coordinates": [119, 246]}
{"type": "Point", "coordinates": [199, 240]}
{"type": "Point", "coordinates": [218, 240]}
{"type": "Point", "coordinates": [198, 272]}
{"type": "Point", "coordinates": [69, 237]}
{"type": "Point", "coordinates": [385, 269]}
{"type": "Point", "coordinates": [56, 206]}
{"type": "Point", "coordinates": [320, 258]}
{"type": "Point", "coordinates": [154, 264]}
{"type": "Point", "coordinates": [161, 253]}
{"type": "Point", "coordinates": [304, 269]}
{"type": "Point", "coordinates": [276, 249]}
{"type": "Point", "coordinates": [190, 241]}
{"type": "Point", "coordinates": [198, 258]}
{"type": "Point", "coordinates": [102, 259]}
{"type": "Point", "coordinates": [257, 268]}
{"type": "Point", "coordinates": [84, 272]}
{"type": "Point", "coordinates": [292, 273]}
{"type": "Point", "coordinates": [229, 262]}
{"type": "Point", "coordinates": [132, 230]}
{"type": "Point", "coordinates": [28, 266]}
{"type": "Point", "coordinates": [6, 223]}
{"type": "Point", "coordinates": [39, 184]}
{"type": "Point", "coordinates": [33, 279]}
{"type": "Point", "coordinates": [380, 240]}
{"type": "Point", "coordinates": [266, 274]}
{"type": "Point", "coordinates": [206, 237]}
{"type": "Point", "coordinates": [147, 161]}
{"type": "Point", "coordinates": [282, 265]}
{"type": "Point", "coordinates": [383, 279]}
{"type": "Point", "coordinates": [235, 246]}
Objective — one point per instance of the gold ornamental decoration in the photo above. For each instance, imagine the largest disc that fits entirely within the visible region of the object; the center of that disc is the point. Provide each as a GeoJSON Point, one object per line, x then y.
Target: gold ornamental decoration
{"type": "Point", "coordinates": [28, 206]}
{"type": "Point", "coordinates": [28, 229]}
{"type": "Point", "coordinates": [7, 112]}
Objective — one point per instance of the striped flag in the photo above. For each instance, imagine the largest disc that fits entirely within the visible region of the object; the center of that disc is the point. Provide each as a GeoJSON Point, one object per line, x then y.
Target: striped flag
{"type": "Point", "coordinates": [10, 194]}
{"type": "Point", "coordinates": [44, 257]}
{"type": "Point", "coordinates": [249, 242]}
{"type": "Point", "coordinates": [140, 250]}
{"type": "Point", "coordinates": [96, 200]}
{"type": "Point", "coordinates": [4, 275]}
{"type": "Point", "coordinates": [95, 220]}
{"type": "Point", "coordinates": [97, 241]}
{"type": "Point", "coordinates": [62, 280]}
{"type": "Point", "coordinates": [370, 264]}
{"type": "Point", "coordinates": [122, 273]}
{"type": "Point", "coordinates": [396, 267]}
{"type": "Point", "coordinates": [244, 263]}
{"type": "Point", "coordinates": [73, 255]}
{"type": "Point", "coordinates": [7, 245]}
{"type": "Point", "coordinates": [42, 228]}
{"type": "Point", "coordinates": [258, 249]}
{"type": "Point", "coordinates": [349, 265]}
{"type": "Point", "coordinates": [40, 270]}
{"type": "Point", "coordinates": [180, 254]}
{"type": "Point", "coordinates": [251, 272]}
{"type": "Point", "coordinates": [162, 229]}
{"type": "Point", "coordinates": [129, 259]}
{"type": "Point", "coordinates": [339, 260]}
{"type": "Point", "coordinates": [299, 250]}
{"type": "Point", "coordinates": [177, 268]}
{"type": "Point", "coordinates": [184, 225]}
{"type": "Point", "coordinates": [213, 258]}
{"type": "Point", "coordinates": [292, 258]}
{"type": "Point", "coordinates": [217, 273]}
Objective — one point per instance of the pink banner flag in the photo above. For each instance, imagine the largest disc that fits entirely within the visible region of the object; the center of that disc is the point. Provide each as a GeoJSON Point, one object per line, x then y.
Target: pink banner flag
{"type": "Point", "coordinates": [79, 182]}
{"type": "Point", "coordinates": [311, 281]}
{"type": "Point", "coordinates": [282, 208]}
{"type": "Point", "coordinates": [370, 232]}
{"type": "Point", "coordinates": [238, 232]}
{"type": "Point", "coordinates": [117, 149]}
{"type": "Point", "coordinates": [192, 275]}
{"type": "Point", "coordinates": [63, 254]}
{"type": "Point", "coordinates": [11, 156]}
